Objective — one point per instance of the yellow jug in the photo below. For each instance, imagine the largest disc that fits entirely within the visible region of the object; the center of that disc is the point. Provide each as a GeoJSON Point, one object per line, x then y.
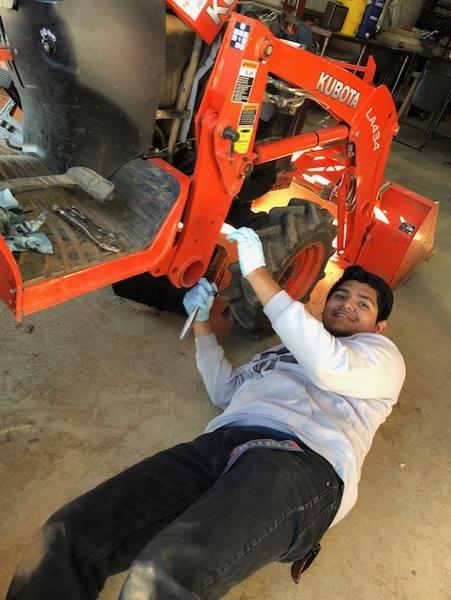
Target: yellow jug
{"type": "Point", "coordinates": [356, 8]}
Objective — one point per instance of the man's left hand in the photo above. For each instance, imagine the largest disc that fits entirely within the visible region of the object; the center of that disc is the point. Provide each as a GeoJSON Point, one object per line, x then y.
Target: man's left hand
{"type": "Point", "coordinates": [250, 249]}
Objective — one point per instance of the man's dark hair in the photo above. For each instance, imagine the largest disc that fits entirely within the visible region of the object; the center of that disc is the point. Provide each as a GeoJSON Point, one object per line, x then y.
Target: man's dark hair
{"type": "Point", "coordinates": [384, 293]}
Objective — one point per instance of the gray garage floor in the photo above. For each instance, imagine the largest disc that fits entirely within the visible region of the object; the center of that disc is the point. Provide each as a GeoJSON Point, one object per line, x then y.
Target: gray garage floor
{"type": "Point", "coordinates": [92, 386]}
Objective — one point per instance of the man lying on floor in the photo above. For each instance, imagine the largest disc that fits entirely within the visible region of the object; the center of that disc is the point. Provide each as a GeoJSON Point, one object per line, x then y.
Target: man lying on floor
{"type": "Point", "coordinates": [269, 476]}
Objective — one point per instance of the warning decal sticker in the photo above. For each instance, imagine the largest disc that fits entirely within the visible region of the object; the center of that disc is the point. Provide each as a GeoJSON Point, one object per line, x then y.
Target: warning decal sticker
{"type": "Point", "coordinates": [245, 81]}
{"type": "Point", "coordinates": [242, 145]}
{"type": "Point", "coordinates": [192, 8]}
{"type": "Point", "coordinates": [407, 228]}
{"type": "Point", "coordinates": [248, 115]}
{"type": "Point", "coordinates": [240, 36]}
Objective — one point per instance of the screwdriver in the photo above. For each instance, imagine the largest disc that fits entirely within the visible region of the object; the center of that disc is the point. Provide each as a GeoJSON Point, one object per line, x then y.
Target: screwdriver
{"type": "Point", "coordinates": [193, 314]}
{"type": "Point", "coordinates": [217, 266]}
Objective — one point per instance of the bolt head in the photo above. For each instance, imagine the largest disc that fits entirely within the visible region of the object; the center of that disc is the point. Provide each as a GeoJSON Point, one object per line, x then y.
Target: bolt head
{"type": "Point", "coordinates": [248, 168]}
{"type": "Point", "coordinates": [48, 40]}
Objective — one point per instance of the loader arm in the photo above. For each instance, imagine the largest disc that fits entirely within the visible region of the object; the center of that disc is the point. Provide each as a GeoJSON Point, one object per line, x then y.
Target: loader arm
{"type": "Point", "coordinates": [231, 107]}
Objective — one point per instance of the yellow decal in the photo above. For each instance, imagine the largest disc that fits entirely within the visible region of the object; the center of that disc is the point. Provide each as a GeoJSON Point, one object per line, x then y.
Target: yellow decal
{"type": "Point", "coordinates": [242, 145]}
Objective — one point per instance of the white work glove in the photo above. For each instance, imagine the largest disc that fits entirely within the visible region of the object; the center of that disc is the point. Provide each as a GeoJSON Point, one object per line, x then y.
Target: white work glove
{"type": "Point", "coordinates": [250, 249]}
{"type": "Point", "coordinates": [201, 295]}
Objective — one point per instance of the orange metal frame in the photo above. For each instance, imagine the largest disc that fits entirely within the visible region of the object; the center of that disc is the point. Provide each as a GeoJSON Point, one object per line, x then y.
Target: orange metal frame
{"type": "Point", "coordinates": [25, 299]}
{"type": "Point", "coordinates": [352, 153]}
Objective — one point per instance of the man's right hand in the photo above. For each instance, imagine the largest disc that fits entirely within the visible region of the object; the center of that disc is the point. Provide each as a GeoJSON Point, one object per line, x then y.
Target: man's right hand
{"type": "Point", "coordinates": [201, 295]}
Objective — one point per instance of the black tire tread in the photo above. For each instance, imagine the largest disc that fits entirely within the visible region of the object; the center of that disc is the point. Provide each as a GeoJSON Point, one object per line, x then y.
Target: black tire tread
{"type": "Point", "coordinates": [289, 228]}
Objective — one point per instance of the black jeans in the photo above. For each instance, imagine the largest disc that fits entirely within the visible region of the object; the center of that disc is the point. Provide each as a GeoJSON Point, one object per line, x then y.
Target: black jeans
{"type": "Point", "coordinates": [183, 530]}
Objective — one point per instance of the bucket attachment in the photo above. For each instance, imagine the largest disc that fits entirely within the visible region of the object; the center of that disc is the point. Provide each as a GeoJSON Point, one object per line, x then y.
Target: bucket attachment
{"type": "Point", "coordinates": [402, 235]}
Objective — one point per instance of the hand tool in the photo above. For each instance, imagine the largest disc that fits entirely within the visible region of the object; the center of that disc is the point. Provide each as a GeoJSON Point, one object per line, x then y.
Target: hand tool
{"type": "Point", "coordinates": [76, 217]}
{"type": "Point", "coordinates": [193, 314]}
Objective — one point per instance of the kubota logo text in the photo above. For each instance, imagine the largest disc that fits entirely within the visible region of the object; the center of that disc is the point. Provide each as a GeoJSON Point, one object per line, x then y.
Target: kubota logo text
{"type": "Point", "coordinates": [216, 11]}
{"type": "Point", "coordinates": [336, 89]}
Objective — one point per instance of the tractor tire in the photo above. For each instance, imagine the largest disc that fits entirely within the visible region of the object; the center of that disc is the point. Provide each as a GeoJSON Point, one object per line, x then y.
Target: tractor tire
{"type": "Point", "coordinates": [297, 242]}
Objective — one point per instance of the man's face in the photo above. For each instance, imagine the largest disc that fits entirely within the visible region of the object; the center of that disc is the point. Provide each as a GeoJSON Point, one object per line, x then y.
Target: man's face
{"type": "Point", "coordinates": [351, 309]}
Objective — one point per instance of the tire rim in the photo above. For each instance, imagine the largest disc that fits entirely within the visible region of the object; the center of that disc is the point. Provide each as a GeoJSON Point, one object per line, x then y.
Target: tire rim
{"type": "Point", "coordinates": [302, 270]}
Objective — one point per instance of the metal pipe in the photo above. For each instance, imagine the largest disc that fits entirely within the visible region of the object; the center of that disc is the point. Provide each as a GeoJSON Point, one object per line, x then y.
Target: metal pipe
{"type": "Point", "coordinates": [185, 90]}
{"type": "Point", "coordinates": [304, 141]}
{"type": "Point", "coordinates": [204, 68]}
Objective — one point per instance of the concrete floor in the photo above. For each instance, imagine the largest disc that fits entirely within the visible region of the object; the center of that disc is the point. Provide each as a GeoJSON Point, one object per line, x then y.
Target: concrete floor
{"type": "Point", "coordinates": [93, 385]}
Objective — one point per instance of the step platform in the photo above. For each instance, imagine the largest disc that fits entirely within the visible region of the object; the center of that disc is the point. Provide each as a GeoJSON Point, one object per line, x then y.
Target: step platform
{"type": "Point", "coordinates": [144, 215]}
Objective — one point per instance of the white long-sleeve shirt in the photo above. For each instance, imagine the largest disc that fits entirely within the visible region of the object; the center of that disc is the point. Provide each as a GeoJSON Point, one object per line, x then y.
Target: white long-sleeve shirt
{"type": "Point", "coordinates": [331, 392]}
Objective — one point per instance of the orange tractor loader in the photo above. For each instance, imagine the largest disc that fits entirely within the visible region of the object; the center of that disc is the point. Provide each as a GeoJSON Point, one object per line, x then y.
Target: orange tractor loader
{"type": "Point", "coordinates": [157, 122]}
